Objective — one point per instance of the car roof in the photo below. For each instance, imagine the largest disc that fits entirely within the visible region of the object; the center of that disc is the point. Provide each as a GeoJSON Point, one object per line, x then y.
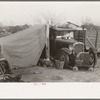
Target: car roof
{"type": "Point", "coordinates": [65, 29]}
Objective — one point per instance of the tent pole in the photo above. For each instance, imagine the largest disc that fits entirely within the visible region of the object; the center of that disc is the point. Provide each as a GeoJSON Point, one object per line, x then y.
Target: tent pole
{"type": "Point", "coordinates": [96, 40]}
{"type": "Point", "coordinates": [47, 42]}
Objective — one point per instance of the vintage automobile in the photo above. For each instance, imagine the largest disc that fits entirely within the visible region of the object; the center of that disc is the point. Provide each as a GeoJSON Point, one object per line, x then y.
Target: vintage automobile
{"type": "Point", "coordinates": [68, 45]}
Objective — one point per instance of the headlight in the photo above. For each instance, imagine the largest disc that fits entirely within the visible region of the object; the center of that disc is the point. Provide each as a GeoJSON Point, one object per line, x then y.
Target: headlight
{"type": "Point", "coordinates": [71, 47]}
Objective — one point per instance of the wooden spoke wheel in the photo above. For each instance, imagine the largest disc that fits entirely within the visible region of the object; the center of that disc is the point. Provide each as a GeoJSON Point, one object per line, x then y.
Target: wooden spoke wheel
{"type": "Point", "coordinates": [63, 56]}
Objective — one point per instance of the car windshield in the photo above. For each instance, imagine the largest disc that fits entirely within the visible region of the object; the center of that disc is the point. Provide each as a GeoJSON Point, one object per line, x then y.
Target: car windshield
{"type": "Point", "coordinates": [66, 35]}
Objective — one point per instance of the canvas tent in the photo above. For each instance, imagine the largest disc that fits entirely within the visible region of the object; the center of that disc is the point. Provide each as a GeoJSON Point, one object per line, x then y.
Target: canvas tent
{"type": "Point", "coordinates": [24, 48]}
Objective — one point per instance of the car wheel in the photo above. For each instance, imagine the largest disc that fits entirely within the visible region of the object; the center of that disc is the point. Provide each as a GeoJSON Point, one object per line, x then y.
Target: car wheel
{"type": "Point", "coordinates": [63, 56]}
{"type": "Point", "coordinates": [90, 69]}
{"type": "Point", "coordinates": [75, 68]}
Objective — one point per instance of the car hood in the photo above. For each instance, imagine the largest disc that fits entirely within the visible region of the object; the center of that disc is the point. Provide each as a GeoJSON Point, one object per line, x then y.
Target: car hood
{"type": "Point", "coordinates": [68, 41]}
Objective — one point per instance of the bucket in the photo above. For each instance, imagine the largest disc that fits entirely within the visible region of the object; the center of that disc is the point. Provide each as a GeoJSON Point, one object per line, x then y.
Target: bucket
{"type": "Point", "coordinates": [59, 64]}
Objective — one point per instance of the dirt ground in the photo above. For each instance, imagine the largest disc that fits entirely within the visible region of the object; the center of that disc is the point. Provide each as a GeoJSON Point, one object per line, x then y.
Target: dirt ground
{"type": "Point", "coordinates": [48, 74]}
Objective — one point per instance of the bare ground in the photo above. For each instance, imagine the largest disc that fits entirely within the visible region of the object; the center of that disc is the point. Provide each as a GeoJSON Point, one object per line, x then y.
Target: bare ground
{"type": "Point", "coordinates": [48, 74]}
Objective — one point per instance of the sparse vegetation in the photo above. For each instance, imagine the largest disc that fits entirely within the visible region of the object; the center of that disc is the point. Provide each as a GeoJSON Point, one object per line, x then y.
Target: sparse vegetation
{"type": "Point", "coordinates": [89, 25]}
{"type": "Point", "coordinates": [7, 30]}
{"type": "Point", "coordinates": [14, 29]}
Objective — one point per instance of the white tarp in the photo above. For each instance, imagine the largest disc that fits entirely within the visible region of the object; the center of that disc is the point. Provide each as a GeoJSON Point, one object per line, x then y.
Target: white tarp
{"type": "Point", "coordinates": [24, 48]}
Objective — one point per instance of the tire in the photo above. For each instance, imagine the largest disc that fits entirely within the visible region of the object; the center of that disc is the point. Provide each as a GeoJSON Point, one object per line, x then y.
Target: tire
{"type": "Point", "coordinates": [75, 68]}
{"type": "Point", "coordinates": [93, 54]}
{"type": "Point", "coordinates": [2, 65]}
{"type": "Point", "coordinates": [63, 56]}
{"type": "Point", "coordinates": [90, 69]}
{"type": "Point", "coordinates": [5, 67]}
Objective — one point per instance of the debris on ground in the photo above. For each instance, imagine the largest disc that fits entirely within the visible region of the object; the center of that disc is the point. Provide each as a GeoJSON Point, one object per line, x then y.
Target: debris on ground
{"type": "Point", "coordinates": [46, 63]}
{"type": "Point", "coordinates": [12, 79]}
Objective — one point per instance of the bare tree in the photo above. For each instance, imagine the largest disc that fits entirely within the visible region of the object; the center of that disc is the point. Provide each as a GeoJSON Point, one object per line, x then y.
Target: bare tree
{"type": "Point", "coordinates": [1, 26]}
{"type": "Point", "coordinates": [54, 18]}
{"type": "Point", "coordinates": [88, 24]}
{"type": "Point", "coordinates": [86, 21]}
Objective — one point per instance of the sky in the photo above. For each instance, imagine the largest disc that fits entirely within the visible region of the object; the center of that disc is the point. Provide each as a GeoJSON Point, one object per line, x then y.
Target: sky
{"type": "Point", "coordinates": [19, 13]}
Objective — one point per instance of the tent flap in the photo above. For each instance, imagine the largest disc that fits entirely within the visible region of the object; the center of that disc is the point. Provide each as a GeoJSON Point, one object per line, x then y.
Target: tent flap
{"type": "Point", "coordinates": [24, 48]}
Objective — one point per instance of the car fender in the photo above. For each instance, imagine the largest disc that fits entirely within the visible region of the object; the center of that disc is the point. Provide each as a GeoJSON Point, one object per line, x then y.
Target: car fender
{"type": "Point", "coordinates": [66, 50]}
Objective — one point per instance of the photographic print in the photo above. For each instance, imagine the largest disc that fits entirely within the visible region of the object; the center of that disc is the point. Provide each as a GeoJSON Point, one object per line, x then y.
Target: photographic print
{"type": "Point", "coordinates": [49, 42]}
